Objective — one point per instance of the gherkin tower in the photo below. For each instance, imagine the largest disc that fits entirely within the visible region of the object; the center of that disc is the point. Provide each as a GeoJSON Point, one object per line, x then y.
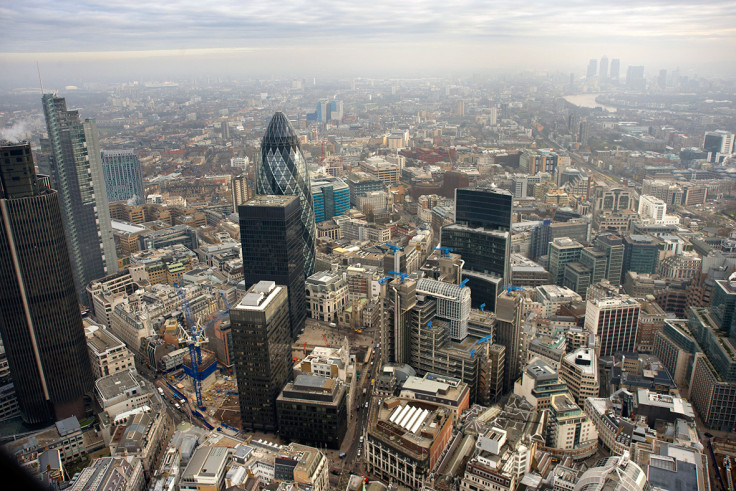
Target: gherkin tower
{"type": "Point", "coordinates": [283, 171]}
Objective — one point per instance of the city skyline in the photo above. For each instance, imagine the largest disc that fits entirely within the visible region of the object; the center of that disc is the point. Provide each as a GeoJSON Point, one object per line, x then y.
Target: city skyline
{"type": "Point", "coordinates": [239, 40]}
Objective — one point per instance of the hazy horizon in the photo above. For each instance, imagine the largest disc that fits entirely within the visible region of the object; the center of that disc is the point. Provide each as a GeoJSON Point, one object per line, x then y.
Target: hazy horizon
{"type": "Point", "coordinates": [77, 42]}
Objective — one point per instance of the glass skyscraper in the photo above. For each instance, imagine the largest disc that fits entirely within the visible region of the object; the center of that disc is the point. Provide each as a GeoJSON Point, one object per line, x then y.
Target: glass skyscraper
{"type": "Point", "coordinates": [122, 171]}
{"type": "Point", "coordinates": [283, 171]}
{"type": "Point", "coordinates": [40, 322]}
{"type": "Point", "coordinates": [76, 173]}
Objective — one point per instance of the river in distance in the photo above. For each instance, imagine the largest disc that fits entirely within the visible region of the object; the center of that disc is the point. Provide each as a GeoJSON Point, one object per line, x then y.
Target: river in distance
{"type": "Point", "coordinates": [588, 100]}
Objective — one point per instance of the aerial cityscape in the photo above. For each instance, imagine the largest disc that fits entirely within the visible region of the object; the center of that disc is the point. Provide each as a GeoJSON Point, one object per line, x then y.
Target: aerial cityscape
{"type": "Point", "coordinates": [218, 272]}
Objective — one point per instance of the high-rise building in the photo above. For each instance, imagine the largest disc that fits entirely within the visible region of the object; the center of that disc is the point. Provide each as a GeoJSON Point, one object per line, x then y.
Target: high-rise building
{"type": "Point", "coordinates": [562, 251]}
{"type": "Point", "coordinates": [641, 254]}
{"type": "Point", "coordinates": [592, 69]}
{"type": "Point", "coordinates": [603, 73]}
{"type": "Point", "coordinates": [76, 173]}
{"type": "Point", "coordinates": [239, 185]}
{"type": "Point", "coordinates": [481, 235]}
{"type": "Point", "coordinates": [615, 70]}
{"type": "Point", "coordinates": [283, 171]}
{"type": "Point", "coordinates": [262, 353]}
{"type": "Point", "coordinates": [613, 247]}
{"type": "Point", "coordinates": [331, 197]}
{"type": "Point", "coordinates": [40, 323]}
{"type": "Point", "coordinates": [719, 144]}
{"type": "Point", "coordinates": [635, 78]}
{"type": "Point", "coordinates": [614, 321]}
{"type": "Point", "coordinates": [508, 334]}
{"type": "Point", "coordinates": [123, 180]}
{"type": "Point", "coordinates": [271, 238]}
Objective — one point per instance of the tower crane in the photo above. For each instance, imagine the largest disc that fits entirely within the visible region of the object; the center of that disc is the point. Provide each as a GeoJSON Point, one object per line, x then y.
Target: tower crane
{"type": "Point", "coordinates": [194, 339]}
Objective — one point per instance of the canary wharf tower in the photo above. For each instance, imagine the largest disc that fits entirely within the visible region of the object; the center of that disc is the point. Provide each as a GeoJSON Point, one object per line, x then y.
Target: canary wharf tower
{"type": "Point", "coordinates": [283, 171]}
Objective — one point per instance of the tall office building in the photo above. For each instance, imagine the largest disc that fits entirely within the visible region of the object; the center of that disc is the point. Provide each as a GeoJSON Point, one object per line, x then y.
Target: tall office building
{"type": "Point", "coordinates": [635, 78]}
{"type": "Point", "coordinates": [592, 69]}
{"type": "Point", "coordinates": [40, 322]}
{"type": "Point", "coordinates": [603, 73]}
{"type": "Point", "coordinates": [562, 251]}
{"type": "Point", "coordinates": [76, 173]}
{"type": "Point", "coordinates": [283, 171]}
{"type": "Point", "coordinates": [615, 70]}
{"type": "Point", "coordinates": [481, 235]}
{"type": "Point", "coordinates": [262, 353]}
{"type": "Point", "coordinates": [719, 145]}
{"type": "Point", "coordinates": [123, 180]}
{"type": "Point", "coordinates": [641, 254]}
{"type": "Point", "coordinates": [331, 197]}
{"type": "Point", "coordinates": [271, 237]}
{"type": "Point", "coordinates": [613, 247]}
{"type": "Point", "coordinates": [614, 321]}
{"type": "Point", "coordinates": [508, 334]}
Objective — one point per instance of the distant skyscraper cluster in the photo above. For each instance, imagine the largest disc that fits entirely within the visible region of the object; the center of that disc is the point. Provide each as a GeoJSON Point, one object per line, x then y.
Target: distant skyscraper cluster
{"type": "Point", "coordinates": [606, 73]}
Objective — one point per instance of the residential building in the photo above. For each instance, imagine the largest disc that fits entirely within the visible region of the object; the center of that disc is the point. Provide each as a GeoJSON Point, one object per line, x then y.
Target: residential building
{"type": "Point", "coordinates": [40, 323]}
{"type": "Point", "coordinates": [262, 353]}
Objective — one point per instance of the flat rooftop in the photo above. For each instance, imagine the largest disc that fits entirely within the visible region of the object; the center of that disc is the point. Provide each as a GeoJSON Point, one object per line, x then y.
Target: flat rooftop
{"type": "Point", "coordinates": [113, 385]}
{"type": "Point", "coordinates": [270, 200]}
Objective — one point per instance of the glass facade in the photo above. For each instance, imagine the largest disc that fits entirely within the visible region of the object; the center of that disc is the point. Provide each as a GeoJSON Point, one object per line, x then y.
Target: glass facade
{"type": "Point", "coordinates": [271, 236]}
{"type": "Point", "coordinates": [487, 208]}
{"type": "Point", "coordinates": [40, 322]}
{"type": "Point", "coordinates": [283, 171]}
{"type": "Point", "coordinates": [76, 173]}
{"type": "Point", "coordinates": [123, 180]}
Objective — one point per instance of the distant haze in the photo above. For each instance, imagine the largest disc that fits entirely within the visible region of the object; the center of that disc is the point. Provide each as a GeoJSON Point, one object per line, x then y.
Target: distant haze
{"type": "Point", "coordinates": [78, 42]}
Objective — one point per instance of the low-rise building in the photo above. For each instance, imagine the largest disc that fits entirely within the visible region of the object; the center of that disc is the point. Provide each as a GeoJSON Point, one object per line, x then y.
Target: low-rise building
{"type": "Point", "coordinates": [121, 393]}
{"type": "Point", "coordinates": [108, 473]}
{"type": "Point", "coordinates": [206, 469]}
{"type": "Point", "coordinates": [327, 295]}
{"type": "Point", "coordinates": [140, 435]}
{"type": "Point", "coordinates": [438, 389]}
{"type": "Point", "coordinates": [107, 353]}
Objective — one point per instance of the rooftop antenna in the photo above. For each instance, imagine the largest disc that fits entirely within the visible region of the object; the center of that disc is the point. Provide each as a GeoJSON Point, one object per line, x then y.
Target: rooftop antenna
{"type": "Point", "coordinates": [38, 68]}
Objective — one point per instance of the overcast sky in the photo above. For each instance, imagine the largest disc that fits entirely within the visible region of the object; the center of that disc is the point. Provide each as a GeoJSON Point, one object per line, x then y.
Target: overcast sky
{"type": "Point", "coordinates": [159, 39]}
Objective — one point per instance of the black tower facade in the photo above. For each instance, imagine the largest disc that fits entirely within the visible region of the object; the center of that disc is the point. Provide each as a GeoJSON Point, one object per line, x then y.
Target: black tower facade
{"type": "Point", "coordinates": [271, 236]}
{"type": "Point", "coordinates": [481, 235]}
{"type": "Point", "coordinates": [40, 322]}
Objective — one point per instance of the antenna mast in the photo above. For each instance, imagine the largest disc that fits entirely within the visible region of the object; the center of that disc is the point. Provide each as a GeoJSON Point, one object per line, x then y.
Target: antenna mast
{"type": "Point", "coordinates": [39, 76]}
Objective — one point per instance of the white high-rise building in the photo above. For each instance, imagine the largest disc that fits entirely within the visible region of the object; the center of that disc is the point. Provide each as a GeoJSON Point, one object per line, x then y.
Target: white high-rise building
{"type": "Point", "coordinates": [614, 321]}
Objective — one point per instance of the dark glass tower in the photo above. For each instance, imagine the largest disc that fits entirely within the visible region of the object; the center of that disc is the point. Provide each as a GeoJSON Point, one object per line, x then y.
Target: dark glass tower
{"type": "Point", "coordinates": [262, 353]}
{"type": "Point", "coordinates": [40, 321]}
{"type": "Point", "coordinates": [271, 236]}
{"type": "Point", "coordinates": [283, 171]}
{"type": "Point", "coordinates": [481, 235]}
{"type": "Point", "coordinates": [76, 173]}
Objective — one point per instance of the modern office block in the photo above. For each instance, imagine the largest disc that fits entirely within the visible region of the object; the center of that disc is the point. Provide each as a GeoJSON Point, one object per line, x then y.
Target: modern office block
{"type": "Point", "coordinates": [76, 173]}
{"type": "Point", "coordinates": [262, 353]}
{"type": "Point", "coordinates": [40, 323]}
{"type": "Point", "coordinates": [123, 179]}
{"type": "Point", "coordinates": [489, 208]}
{"type": "Point", "coordinates": [614, 321]}
{"type": "Point", "coordinates": [508, 335]}
{"type": "Point", "coordinates": [641, 254]}
{"type": "Point", "coordinates": [283, 171]}
{"type": "Point", "coordinates": [271, 238]}
{"type": "Point", "coordinates": [613, 246]}
{"type": "Point", "coordinates": [331, 198]}
{"type": "Point", "coordinates": [562, 251]}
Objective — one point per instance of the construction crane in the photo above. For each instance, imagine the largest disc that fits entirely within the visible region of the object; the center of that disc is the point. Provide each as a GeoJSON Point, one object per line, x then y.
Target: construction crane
{"type": "Point", "coordinates": [194, 339]}
{"type": "Point", "coordinates": [481, 340]}
{"type": "Point", "coordinates": [305, 349]}
{"type": "Point", "coordinates": [325, 338]}
{"type": "Point", "coordinates": [429, 325]}
{"type": "Point", "coordinates": [444, 250]}
{"type": "Point", "coordinates": [384, 280]}
{"type": "Point", "coordinates": [464, 282]}
{"type": "Point", "coordinates": [403, 276]}
{"type": "Point", "coordinates": [393, 247]}
{"type": "Point", "coordinates": [482, 307]}
{"type": "Point", "coordinates": [509, 289]}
